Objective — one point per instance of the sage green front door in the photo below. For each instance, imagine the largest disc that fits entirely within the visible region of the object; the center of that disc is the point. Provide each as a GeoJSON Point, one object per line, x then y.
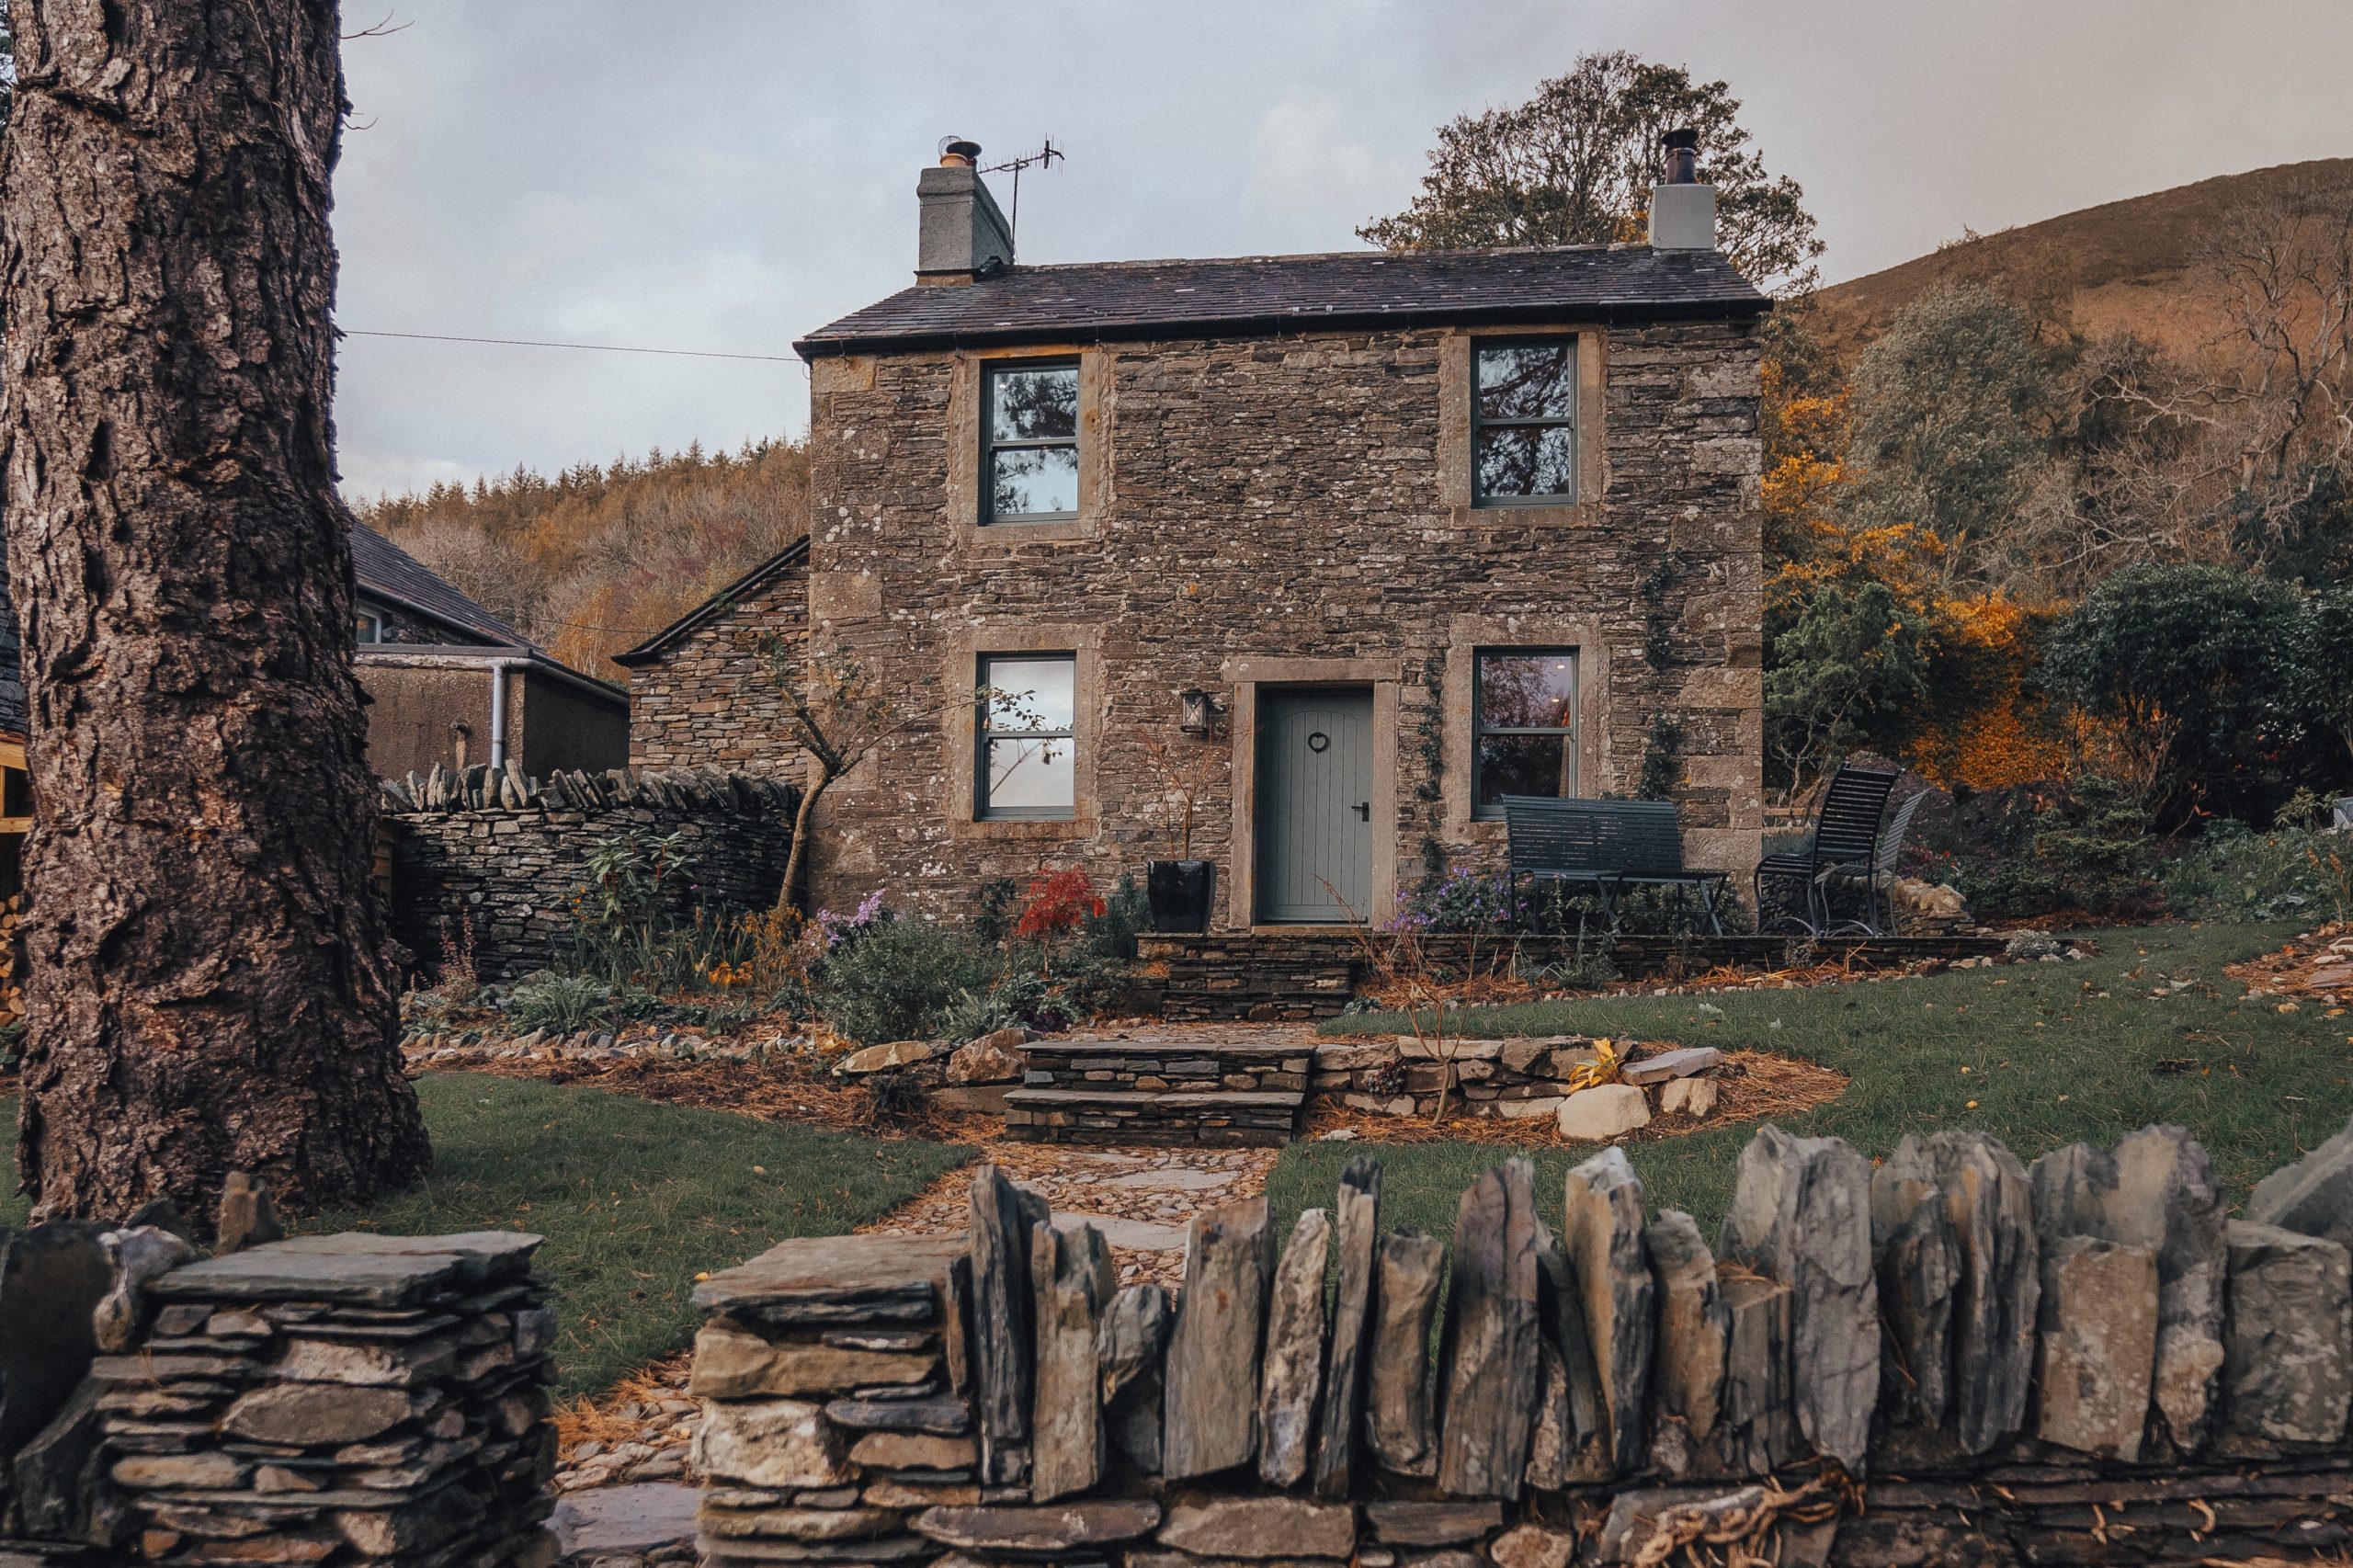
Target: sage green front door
{"type": "Point", "coordinates": [1314, 804]}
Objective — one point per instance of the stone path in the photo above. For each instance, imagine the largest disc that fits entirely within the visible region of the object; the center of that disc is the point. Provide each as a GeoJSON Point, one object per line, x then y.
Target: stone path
{"type": "Point", "coordinates": [1140, 1199]}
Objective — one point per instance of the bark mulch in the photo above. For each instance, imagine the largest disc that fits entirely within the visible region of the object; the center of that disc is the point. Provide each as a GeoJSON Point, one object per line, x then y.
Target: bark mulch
{"type": "Point", "coordinates": [2315, 967]}
{"type": "Point", "coordinates": [1752, 1085]}
{"type": "Point", "coordinates": [783, 1090]}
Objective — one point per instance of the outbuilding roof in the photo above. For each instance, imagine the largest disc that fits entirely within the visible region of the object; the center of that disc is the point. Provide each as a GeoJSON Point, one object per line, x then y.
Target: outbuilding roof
{"type": "Point", "coordinates": [386, 569]}
{"type": "Point", "coordinates": [1278, 294]}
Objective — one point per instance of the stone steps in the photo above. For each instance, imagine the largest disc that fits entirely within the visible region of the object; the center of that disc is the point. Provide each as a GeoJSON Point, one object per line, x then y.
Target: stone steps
{"type": "Point", "coordinates": [1216, 1117]}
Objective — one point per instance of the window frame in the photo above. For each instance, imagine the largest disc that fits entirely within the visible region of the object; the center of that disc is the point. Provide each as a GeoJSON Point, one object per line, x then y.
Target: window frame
{"type": "Point", "coordinates": [371, 633]}
{"type": "Point", "coordinates": [1573, 733]}
{"type": "Point", "coordinates": [983, 735]}
{"type": "Point", "coordinates": [985, 481]}
{"type": "Point", "coordinates": [1572, 422]}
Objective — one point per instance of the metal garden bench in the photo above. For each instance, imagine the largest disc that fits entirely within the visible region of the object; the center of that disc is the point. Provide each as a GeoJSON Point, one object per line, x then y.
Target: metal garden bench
{"type": "Point", "coordinates": [1612, 845]}
{"type": "Point", "coordinates": [1844, 850]}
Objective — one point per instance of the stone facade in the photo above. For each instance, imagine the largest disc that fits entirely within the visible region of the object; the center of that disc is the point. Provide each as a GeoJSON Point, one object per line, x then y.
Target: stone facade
{"type": "Point", "coordinates": [505, 865]}
{"type": "Point", "coordinates": [700, 695]}
{"type": "Point", "coordinates": [1256, 512]}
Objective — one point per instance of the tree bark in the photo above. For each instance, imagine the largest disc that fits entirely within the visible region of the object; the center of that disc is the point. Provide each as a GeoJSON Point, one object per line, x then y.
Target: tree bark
{"type": "Point", "coordinates": [211, 986]}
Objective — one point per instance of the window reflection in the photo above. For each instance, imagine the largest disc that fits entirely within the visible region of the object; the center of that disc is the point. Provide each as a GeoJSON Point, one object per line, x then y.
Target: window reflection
{"type": "Point", "coordinates": [1031, 440]}
{"type": "Point", "coordinates": [1526, 727]}
{"type": "Point", "coordinates": [1523, 421]}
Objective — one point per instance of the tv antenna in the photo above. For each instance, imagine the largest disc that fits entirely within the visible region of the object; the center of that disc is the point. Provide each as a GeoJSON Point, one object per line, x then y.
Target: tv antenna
{"type": "Point", "coordinates": [1046, 157]}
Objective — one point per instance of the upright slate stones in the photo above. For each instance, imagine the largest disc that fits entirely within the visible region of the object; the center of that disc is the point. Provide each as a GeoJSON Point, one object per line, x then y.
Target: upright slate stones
{"type": "Point", "coordinates": [1002, 1343]}
{"type": "Point", "coordinates": [1489, 1359]}
{"type": "Point", "coordinates": [1759, 1424]}
{"type": "Point", "coordinates": [1074, 1286]}
{"type": "Point", "coordinates": [2314, 1197]}
{"type": "Point", "coordinates": [2288, 1372]}
{"type": "Point", "coordinates": [1294, 1362]}
{"type": "Point", "coordinates": [2155, 1192]}
{"type": "Point", "coordinates": [1919, 1265]}
{"type": "Point", "coordinates": [2098, 1345]}
{"type": "Point", "coordinates": [1990, 1205]}
{"type": "Point", "coordinates": [1688, 1377]}
{"type": "Point", "coordinates": [1210, 1408]}
{"type": "Point", "coordinates": [1353, 1314]}
{"type": "Point", "coordinates": [1801, 1214]}
{"type": "Point", "coordinates": [1603, 1235]}
{"type": "Point", "coordinates": [1397, 1413]}
{"type": "Point", "coordinates": [1134, 1334]}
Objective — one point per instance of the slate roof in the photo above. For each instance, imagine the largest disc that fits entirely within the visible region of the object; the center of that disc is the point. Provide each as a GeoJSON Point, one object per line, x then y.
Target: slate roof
{"type": "Point", "coordinates": [1277, 293]}
{"type": "Point", "coordinates": [385, 569]}
{"type": "Point", "coordinates": [662, 642]}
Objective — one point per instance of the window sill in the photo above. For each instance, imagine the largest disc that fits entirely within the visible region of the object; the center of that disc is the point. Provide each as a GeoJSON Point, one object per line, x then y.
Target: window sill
{"type": "Point", "coordinates": [1017, 830]}
{"type": "Point", "coordinates": [1009, 537]}
{"type": "Point", "coordinates": [1562, 516]}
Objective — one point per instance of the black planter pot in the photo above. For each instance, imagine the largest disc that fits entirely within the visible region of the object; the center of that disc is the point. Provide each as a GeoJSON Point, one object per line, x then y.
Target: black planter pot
{"type": "Point", "coordinates": [1179, 891]}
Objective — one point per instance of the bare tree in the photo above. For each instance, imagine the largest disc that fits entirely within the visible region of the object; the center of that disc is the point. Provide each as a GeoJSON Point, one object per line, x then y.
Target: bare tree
{"type": "Point", "coordinates": [210, 986]}
{"type": "Point", "coordinates": [841, 711]}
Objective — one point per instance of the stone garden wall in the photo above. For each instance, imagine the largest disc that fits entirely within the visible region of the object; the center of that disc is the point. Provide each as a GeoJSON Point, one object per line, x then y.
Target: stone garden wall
{"type": "Point", "coordinates": [1951, 1359]}
{"type": "Point", "coordinates": [333, 1401]}
{"type": "Point", "coordinates": [500, 855]}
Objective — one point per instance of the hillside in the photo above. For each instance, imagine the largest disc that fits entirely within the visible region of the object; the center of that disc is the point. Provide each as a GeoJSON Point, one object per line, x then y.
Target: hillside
{"type": "Point", "coordinates": [590, 561]}
{"type": "Point", "coordinates": [2123, 266]}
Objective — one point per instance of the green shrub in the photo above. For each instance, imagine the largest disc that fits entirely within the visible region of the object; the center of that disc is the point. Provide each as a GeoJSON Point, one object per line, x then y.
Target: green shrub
{"type": "Point", "coordinates": [2095, 845]}
{"type": "Point", "coordinates": [2232, 872]}
{"type": "Point", "coordinates": [974, 1014]}
{"type": "Point", "coordinates": [565, 1004]}
{"type": "Point", "coordinates": [896, 979]}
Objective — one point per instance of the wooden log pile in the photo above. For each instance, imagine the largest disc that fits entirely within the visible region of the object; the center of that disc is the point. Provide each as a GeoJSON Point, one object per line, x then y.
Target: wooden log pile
{"type": "Point", "coordinates": [335, 1400]}
{"type": "Point", "coordinates": [1951, 1358]}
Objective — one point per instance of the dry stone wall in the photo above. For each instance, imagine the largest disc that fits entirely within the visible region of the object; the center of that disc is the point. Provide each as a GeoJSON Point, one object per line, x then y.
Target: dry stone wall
{"type": "Point", "coordinates": [500, 856]}
{"type": "Point", "coordinates": [333, 1401]}
{"type": "Point", "coordinates": [1952, 1358]}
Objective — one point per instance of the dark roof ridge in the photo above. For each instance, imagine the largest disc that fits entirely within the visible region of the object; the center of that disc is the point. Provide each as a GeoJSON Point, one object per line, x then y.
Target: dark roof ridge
{"type": "Point", "coordinates": [1367, 255]}
{"type": "Point", "coordinates": [654, 647]}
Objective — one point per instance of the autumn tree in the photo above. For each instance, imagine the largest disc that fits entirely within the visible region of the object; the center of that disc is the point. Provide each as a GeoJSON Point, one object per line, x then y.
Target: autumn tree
{"type": "Point", "coordinates": [1574, 165]}
{"type": "Point", "coordinates": [209, 984]}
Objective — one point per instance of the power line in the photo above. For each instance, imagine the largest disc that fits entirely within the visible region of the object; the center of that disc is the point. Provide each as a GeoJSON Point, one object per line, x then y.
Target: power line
{"type": "Point", "coordinates": [598, 347]}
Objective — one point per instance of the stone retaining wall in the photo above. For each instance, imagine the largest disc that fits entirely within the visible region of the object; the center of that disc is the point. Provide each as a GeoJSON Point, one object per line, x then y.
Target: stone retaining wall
{"type": "Point", "coordinates": [1301, 976]}
{"type": "Point", "coordinates": [503, 855]}
{"type": "Point", "coordinates": [333, 1401]}
{"type": "Point", "coordinates": [1953, 1357]}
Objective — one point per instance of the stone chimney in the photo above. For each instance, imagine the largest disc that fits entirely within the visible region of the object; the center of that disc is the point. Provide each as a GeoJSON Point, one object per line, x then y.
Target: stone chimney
{"type": "Point", "coordinates": [963, 237]}
{"type": "Point", "coordinates": [1683, 211]}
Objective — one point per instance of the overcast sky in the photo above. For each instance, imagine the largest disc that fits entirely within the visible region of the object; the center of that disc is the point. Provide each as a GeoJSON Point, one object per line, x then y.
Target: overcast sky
{"type": "Point", "coordinates": [726, 175]}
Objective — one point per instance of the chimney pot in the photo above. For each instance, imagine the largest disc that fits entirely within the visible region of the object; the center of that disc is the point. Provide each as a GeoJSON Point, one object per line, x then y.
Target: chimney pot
{"type": "Point", "coordinates": [1681, 153]}
{"type": "Point", "coordinates": [955, 153]}
{"type": "Point", "coordinates": [1683, 211]}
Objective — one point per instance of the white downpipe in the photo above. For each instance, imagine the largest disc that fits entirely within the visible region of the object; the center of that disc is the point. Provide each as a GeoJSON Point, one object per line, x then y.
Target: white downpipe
{"type": "Point", "coordinates": [498, 713]}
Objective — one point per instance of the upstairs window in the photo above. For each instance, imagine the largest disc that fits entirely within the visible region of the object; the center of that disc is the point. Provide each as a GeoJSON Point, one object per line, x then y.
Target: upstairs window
{"type": "Point", "coordinates": [366, 625]}
{"type": "Point", "coordinates": [1526, 727]}
{"type": "Point", "coordinates": [1524, 423]}
{"type": "Point", "coordinates": [1029, 436]}
{"type": "Point", "coordinates": [1027, 734]}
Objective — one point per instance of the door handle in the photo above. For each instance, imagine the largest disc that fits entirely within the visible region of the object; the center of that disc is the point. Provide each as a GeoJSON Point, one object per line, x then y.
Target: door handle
{"type": "Point", "coordinates": [1363, 809]}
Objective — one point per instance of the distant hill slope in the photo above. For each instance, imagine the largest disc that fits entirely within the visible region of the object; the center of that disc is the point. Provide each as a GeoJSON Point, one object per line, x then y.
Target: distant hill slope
{"type": "Point", "coordinates": [2123, 266]}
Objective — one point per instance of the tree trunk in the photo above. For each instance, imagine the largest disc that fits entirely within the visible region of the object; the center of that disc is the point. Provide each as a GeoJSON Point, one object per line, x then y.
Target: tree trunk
{"type": "Point", "coordinates": [796, 860]}
{"type": "Point", "coordinates": [210, 985]}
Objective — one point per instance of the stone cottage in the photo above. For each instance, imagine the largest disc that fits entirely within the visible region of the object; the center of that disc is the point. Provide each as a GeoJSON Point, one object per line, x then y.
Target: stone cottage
{"type": "Point", "coordinates": [1346, 546]}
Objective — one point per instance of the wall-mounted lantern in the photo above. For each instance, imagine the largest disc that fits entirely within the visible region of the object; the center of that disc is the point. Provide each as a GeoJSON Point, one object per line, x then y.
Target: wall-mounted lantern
{"type": "Point", "coordinates": [1197, 712]}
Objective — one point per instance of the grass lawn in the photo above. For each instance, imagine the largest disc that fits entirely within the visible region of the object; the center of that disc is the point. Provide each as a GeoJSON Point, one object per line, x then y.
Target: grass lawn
{"type": "Point", "coordinates": [2039, 1055]}
{"type": "Point", "coordinates": [635, 1198]}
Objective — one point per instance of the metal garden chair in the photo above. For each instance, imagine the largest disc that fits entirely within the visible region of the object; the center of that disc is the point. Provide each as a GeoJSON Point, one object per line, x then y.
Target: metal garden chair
{"type": "Point", "coordinates": [1846, 844]}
